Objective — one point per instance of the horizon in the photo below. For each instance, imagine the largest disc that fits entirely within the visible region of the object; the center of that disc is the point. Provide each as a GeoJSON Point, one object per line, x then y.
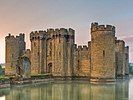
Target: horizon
{"type": "Point", "coordinates": [26, 16]}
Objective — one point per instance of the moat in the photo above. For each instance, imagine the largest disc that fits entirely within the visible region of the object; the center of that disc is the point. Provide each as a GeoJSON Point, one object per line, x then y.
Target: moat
{"type": "Point", "coordinates": [76, 90]}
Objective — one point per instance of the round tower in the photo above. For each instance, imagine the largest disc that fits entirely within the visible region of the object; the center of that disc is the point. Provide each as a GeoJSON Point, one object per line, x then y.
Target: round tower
{"type": "Point", "coordinates": [102, 52]}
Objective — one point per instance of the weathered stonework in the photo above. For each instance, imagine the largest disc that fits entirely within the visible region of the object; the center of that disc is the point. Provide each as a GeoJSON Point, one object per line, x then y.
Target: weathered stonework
{"type": "Point", "coordinates": [120, 58]}
{"type": "Point", "coordinates": [38, 52]}
{"type": "Point", "coordinates": [24, 65]}
{"type": "Point", "coordinates": [54, 52]}
{"type": "Point", "coordinates": [14, 49]}
{"type": "Point", "coordinates": [51, 52]}
{"type": "Point", "coordinates": [126, 60]}
{"type": "Point", "coordinates": [82, 61]}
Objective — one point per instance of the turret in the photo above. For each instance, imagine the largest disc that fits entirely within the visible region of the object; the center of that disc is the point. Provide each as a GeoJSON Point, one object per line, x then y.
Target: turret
{"type": "Point", "coordinates": [95, 27]}
{"type": "Point", "coordinates": [102, 52]}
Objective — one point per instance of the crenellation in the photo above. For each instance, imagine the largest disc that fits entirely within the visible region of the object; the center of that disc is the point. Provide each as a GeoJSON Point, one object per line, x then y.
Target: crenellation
{"type": "Point", "coordinates": [96, 27]}
{"type": "Point", "coordinates": [9, 37]}
{"type": "Point", "coordinates": [75, 46]}
{"type": "Point", "coordinates": [71, 31]}
{"type": "Point", "coordinates": [85, 48]}
{"type": "Point", "coordinates": [50, 31]}
{"type": "Point", "coordinates": [38, 35]}
{"type": "Point", "coordinates": [89, 44]}
{"type": "Point", "coordinates": [80, 48]}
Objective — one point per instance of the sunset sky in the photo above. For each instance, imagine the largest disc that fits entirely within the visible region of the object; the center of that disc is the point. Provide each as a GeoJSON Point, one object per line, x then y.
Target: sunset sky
{"type": "Point", "coordinates": [24, 16]}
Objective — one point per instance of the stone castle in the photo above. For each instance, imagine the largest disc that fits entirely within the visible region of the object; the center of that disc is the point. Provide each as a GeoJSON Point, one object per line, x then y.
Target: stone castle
{"type": "Point", "coordinates": [54, 52]}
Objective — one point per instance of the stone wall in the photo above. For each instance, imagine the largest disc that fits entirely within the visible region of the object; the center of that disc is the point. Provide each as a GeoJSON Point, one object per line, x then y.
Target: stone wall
{"type": "Point", "coordinates": [82, 61]}
{"type": "Point", "coordinates": [126, 60]}
{"type": "Point", "coordinates": [120, 58]}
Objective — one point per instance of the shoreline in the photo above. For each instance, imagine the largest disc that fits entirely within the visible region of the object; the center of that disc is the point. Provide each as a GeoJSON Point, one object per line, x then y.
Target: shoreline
{"type": "Point", "coordinates": [39, 80]}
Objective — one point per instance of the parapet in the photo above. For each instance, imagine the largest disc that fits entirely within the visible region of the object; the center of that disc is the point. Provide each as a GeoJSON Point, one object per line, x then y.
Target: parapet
{"type": "Point", "coordinates": [89, 44]}
{"type": "Point", "coordinates": [9, 37]}
{"type": "Point", "coordinates": [82, 48]}
{"type": "Point", "coordinates": [127, 49]}
{"type": "Point", "coordinates": [96, 27]}
{"type": "Point", "coordinates": [85, 48]}
{"type": "Point", "coordinates": [71, 31]}
{"type": "Point", "coordinates": [120, 41]}
{"type": "Point", "coordinates": [52, 33]}
{"type": "Point", "coordinates": [20, 37]}
{"type": "Point", "coordinates": [37, 34]}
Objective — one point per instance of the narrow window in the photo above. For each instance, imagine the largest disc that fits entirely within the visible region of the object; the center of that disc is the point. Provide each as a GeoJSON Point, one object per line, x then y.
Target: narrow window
{"type": "Point", "coordinates": [78, 65]}
{"type": "Point", "coordinates": [103, 53]}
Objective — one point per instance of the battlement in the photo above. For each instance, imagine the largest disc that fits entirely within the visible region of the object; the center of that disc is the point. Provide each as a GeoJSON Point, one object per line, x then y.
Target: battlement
{"type": "Point", "coordinates": [75, 46]}
{"type": "Point", "coordinates": [89, 44]}
{"type": "Point", "coordinates": [20, 37]}
{"type": "Point", "coordinates": [127, 47]}
{"type": "Point", "coordinates": [51, 32]}
{"type": "Point", "coordinates": [9, 37]}
{"type": "Point", "coordinates": [37, 34]}
{"type": "Point", "coordinates": [120, 41]}
{"type": "Point", "coordinates": [82, 48]}
{"type": "Point", "coordinates": [96, 27]}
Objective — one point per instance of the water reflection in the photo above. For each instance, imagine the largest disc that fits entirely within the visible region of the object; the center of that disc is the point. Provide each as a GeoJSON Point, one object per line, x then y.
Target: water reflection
{"type": "Point", "coordinates": [69, 91]}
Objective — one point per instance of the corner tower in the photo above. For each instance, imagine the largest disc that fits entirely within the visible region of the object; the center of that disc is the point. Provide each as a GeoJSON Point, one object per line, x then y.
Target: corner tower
{"type": "Point", "coordinates": [102, 52]}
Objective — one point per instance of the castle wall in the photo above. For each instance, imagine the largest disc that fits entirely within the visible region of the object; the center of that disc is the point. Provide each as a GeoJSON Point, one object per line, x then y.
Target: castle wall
{"type": "Point", "coordinates": [82, 61]}
{"type": "Point", "coordinates": [102, 52]}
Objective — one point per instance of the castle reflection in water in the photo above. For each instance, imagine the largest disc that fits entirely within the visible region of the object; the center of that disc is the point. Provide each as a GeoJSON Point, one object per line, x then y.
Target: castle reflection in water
{"type": "Point", "coordinates": [69, 91]}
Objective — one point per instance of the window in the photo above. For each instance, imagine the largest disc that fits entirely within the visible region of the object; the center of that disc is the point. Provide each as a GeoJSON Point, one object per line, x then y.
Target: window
{"type": "Point", "coordinates": [103, 53]}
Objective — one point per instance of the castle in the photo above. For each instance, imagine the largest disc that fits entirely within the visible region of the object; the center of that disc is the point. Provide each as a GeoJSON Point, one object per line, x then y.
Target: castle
{"type": "Point", "coordinates": [54, 52]}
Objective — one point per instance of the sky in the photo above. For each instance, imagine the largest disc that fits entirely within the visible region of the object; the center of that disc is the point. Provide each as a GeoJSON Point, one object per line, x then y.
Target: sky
{"type": "Point", "coordinates": [24, 16]}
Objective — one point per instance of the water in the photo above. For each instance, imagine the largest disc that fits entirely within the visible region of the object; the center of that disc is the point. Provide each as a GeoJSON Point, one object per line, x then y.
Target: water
{"type": "Point", "coordinates": [121, 90]}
